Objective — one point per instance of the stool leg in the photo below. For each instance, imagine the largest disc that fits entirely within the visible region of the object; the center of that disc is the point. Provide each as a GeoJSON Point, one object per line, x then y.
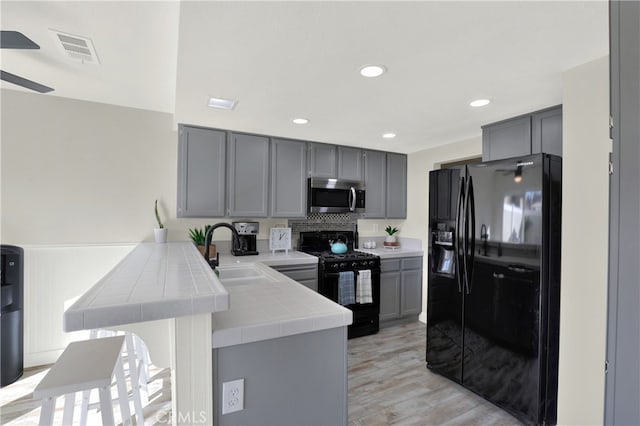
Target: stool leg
{"type": "Point", "coordinates": [106, 408]}
{"type": "Point", "coordinates": [47, 411]}
{"type": "Point", "coordinates": [69, 405]}
{"type": "Point", "coordinates": [84, 406]}
{"type": "Point", "coordinates": [123, 397]}
{"type": "Point", "coordinates": [135, 379]}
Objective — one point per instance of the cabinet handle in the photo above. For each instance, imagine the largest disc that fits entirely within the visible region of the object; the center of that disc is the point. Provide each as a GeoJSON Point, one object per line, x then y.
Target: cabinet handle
{"type": "Point", "coordinates": [499, 276]}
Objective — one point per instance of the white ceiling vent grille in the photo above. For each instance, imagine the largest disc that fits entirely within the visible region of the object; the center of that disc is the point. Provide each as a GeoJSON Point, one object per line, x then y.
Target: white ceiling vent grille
{"type": "Point", "coordinates": [76, 47]}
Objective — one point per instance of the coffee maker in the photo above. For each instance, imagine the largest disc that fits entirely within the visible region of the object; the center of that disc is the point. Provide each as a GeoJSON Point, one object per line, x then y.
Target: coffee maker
{"type": "Point", "coordinates": [247, 234]}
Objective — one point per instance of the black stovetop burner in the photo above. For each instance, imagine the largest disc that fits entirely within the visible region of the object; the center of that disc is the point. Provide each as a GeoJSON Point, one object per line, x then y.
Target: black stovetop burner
{"type": "Point", "coordinates": [319, 244]}
{"type": "Point", "coordinates": [350, 255]}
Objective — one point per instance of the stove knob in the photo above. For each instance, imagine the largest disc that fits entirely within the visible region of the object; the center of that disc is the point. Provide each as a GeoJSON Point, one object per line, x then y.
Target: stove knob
{"type": "Point", "coordinates": [334, 266]}
{"type": "Point", "coordinates": [354, 264]}
{"type": "Point", "coordinates": [372, 262]}
{"type": "Point", "coordinates": [342, 265]}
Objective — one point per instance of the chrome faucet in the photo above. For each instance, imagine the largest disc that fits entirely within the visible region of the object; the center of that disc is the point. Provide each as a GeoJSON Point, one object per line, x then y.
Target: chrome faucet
{"type": "Point", "coordinates": [207, 240]}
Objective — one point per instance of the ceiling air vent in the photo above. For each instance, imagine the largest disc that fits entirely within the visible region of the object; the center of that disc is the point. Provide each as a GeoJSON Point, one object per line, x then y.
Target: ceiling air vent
{"type": "Point", "coordinates": [76, 47]}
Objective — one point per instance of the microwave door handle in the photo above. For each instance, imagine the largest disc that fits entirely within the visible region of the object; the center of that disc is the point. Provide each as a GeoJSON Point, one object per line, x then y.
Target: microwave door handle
{"type": "Point", "coordinates": [352, 199]}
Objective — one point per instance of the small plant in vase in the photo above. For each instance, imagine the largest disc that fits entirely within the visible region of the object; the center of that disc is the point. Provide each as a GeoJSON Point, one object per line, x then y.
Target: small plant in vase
{"type": "Point", "coordinates": [391, 240]}
{"type": "Point", "coordinates": [197, 235]}
{"type": "Point", "coordinates": [160, 232]}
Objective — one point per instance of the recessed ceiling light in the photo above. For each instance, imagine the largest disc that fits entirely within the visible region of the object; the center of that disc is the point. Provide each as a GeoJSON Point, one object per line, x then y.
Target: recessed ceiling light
{"type": "Point", "coordinates": [222, 103]}
{"type": "Point", "coordinates": [372, 70]}
{"type": "Point", "coordinates": [479, 103]}
{"type": "Point", "coordinates": [300, 120]}
{"type": "Point", "coordinates": [389, 135]}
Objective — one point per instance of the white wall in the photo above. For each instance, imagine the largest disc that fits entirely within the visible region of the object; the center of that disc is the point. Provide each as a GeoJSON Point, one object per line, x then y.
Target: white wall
{"type": "Point", "coordinates": [78, 181]}
{"type": "Point", "coordinates": [586, 146]}
{"type": "Point", "coordinates": [419, 165]}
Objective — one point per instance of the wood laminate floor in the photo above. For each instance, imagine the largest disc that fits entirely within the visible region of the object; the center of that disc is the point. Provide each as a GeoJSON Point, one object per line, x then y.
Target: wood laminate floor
{"type": "Point", "coordinates": [389, 384]}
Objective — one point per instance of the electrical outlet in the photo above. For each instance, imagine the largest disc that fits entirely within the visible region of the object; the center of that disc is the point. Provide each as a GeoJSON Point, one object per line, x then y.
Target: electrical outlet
{"type": "Point", "coordinates": [233, 396]}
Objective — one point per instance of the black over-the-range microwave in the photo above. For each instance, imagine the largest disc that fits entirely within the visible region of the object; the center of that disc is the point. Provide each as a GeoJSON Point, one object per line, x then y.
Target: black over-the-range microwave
{"type": "Point", "coordinates": [335, 196]}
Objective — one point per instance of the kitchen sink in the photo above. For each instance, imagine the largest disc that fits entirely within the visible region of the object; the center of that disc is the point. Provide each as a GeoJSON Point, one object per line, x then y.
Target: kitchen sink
{"type": "Point", "coordinates": [232, 276]}
{"type": "Point", "coordinates": [234, 272]}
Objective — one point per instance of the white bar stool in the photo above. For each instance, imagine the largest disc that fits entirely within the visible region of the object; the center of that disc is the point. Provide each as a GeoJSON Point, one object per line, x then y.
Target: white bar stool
{"type": "Point", "coordinates": [137, 367]}
{"type": "Point", "coordinates": [85, 365]}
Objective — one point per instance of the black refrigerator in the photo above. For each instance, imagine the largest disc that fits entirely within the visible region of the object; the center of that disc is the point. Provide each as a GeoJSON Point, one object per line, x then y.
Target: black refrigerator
{"type": "Point", "coordinates": [493, 302]}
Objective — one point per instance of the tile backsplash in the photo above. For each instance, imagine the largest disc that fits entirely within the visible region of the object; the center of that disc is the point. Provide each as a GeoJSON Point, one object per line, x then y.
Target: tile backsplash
{"type": "Point", "coordinates": [322, 222]}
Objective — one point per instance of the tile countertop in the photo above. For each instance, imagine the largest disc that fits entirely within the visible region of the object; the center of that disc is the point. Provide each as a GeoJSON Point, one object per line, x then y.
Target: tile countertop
{"type": "Point", "coordinates": [273, 306]}
{"type": "Point", "coordinates": [386, 253]}
{"type": "Point", "coordinates": [154, 281]}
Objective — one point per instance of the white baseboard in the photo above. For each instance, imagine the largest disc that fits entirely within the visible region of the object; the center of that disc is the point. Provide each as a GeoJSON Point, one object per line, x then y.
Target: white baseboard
{"type": "Point", "coordinates": [422, 317]}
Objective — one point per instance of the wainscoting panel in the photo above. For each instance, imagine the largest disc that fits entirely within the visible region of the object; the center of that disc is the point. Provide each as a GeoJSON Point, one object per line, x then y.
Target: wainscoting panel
{"type": "Point", "coordinates": [53, 277]}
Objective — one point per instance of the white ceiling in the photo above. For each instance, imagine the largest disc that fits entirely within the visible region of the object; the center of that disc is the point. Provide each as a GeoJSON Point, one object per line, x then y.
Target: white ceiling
{"type": "Point", "coordinates": [282, 60]}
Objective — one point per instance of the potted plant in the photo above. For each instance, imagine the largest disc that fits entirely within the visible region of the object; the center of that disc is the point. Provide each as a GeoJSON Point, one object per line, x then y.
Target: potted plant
{"type": "Point", "coordinates": [197, 235]}
{"type": "Point", "coordinates": [391, 239]}
{"type": "Point", "coordinates": [160, 232]}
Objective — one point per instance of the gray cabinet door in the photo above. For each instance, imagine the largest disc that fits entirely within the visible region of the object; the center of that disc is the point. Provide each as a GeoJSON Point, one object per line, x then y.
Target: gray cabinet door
{"type": "Point", "coordinates": [201, 172]}
{"type": "Point", "coordinates": [389, 296]}
{"type": "Point", "coordinates": [546, 131]}
{"type": "Point", "coordinates": [396, 186]}
{"type": "Point", "coordinates": [323, 161]}
{"type": "Point", "coordinates": [622, 390]}
{"type": "Point", "coordinates": [411, 292]}
{"type": "Point", "coordinates": [506, 139]}
{"type": "Point", "coordinates": [375, 173]}
{"type": "Point", "coordinates": [248, 173]}
{"type": "Point", "coordinates": [288, 178]}
{"type": "Point", "coordinates": [350, 163]}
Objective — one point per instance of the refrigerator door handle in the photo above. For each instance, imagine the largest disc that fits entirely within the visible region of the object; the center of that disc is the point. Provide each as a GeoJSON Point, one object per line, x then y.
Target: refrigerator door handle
{"type": "Point", "coordinates": [471, 254]}
{"type": "Point", "coordinates": [458, 235]}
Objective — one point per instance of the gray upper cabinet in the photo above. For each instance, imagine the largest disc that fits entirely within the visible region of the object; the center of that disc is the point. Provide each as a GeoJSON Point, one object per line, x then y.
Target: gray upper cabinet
{"type": "Point", "coordinates": [375, 173]}
{"type": "Point", "coordinates": [288, 178]}
{"type": "Point", "coordinates": [248, 175]}
{"type": "Point", "coordinates": [201, 172]}
{"type": "Point", "coordinates": [396, 186]}
{"type": "Point", "coordinates": [546, 131]}
{"type": "Point", "coordinates": [537, 132]}
{"type": "Point", "coordinates": [506, 139]}
{"type": "Point", "coordinates": [323, 161]}
{"type": "Point", "coordinates": [350, 163]}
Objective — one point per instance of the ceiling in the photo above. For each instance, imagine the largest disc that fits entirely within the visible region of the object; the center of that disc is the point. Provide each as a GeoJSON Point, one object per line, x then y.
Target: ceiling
{"type": "Point", "coordinates": [282, 60]}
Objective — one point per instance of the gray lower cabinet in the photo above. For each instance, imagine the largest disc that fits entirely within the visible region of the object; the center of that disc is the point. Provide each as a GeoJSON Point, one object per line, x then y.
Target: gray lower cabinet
{"type": "Point", "coordinates": [248, 175]}
{"type": "Point", "coordinates": [201, 172]}
{"type": "Point", "coordinates": [306, 275]}
{"type": "Point", "coordinates": [294, 380]}
{"type": "Point", "coordinates": [375, 173]}
{"type": "Point", "coordinates": [396, 198]}
{"type": "Point", "coordinates": [389, 292]}
{"type": "Point", "coordinates": [537, 132]}
{"type": "Point", "coordinates": [288, 178]}
{"type": "Point", "coordinates": [400, 288]}
{"type": "Point", "coordinates": [323, 160]}
{"type": "Point", "coordinates": [350, 163]}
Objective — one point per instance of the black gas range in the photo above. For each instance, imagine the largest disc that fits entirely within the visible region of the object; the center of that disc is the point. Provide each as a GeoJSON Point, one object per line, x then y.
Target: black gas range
{"type": "Point", "coordinates": [343, 275]}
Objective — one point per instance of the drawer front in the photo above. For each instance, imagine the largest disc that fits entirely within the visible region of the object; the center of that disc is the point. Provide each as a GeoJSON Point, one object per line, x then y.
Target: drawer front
{"type": "Point", "coordinates": [388, 265]}
{"type": "Point", "coordinates": [411, 263]}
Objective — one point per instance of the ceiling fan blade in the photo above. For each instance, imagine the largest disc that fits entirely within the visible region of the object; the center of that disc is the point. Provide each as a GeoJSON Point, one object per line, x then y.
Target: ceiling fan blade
{"type": "Point", "coordinates": [29, 84]}
{"type": "Point", "coordinates": [16, 40]}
